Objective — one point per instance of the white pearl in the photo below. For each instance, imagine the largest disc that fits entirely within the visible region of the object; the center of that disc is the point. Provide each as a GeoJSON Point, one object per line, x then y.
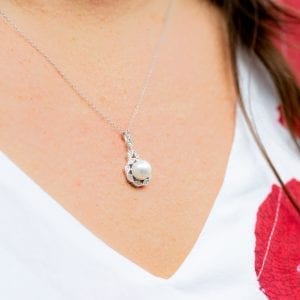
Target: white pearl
{"type": "Point", "coordinates": [141, 169]}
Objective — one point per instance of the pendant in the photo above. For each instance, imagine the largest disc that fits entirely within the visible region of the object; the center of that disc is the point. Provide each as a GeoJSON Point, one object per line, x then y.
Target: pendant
{"type": "Point", "coordinates": [137, 170]}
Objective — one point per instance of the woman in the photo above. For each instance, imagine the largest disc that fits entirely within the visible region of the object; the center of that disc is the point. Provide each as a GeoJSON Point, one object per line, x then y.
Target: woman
{"type": "Point", "coordinates": [206, 208]}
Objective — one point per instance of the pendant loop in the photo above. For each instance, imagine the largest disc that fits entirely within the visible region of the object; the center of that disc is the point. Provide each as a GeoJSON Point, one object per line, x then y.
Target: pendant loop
{"type": "Point", "coordinates": [127, 139]}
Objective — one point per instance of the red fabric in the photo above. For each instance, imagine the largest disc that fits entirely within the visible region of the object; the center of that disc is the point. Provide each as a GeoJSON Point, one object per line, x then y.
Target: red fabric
{"type": "Point", "coordinates": [278, 266]}
{"type": "Point", "coordinates": [291, 42]}
{"type": "Point", "coordinates": [282, 121]}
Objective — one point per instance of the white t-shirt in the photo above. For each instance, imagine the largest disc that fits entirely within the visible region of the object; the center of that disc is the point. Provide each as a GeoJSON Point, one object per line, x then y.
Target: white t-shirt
{"type": "Point", "coordinates": [46, 254]}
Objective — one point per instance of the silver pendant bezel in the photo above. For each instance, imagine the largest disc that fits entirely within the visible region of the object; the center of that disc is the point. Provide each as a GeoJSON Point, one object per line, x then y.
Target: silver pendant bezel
{"type": "Point", "coordinates": [132, 158]}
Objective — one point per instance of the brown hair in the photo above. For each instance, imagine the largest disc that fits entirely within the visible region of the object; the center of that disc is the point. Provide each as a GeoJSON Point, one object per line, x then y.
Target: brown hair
{"type": "Point", "coordinates": [255, 24]}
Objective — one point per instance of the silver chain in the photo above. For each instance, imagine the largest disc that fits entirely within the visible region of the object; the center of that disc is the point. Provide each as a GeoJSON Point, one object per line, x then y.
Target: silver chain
{"type": "Point", "coordinates": [79, 93]}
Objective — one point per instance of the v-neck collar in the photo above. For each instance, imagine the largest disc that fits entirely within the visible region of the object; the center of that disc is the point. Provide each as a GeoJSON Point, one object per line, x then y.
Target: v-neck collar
{"type": "Point", "coordinates": [41, 200]}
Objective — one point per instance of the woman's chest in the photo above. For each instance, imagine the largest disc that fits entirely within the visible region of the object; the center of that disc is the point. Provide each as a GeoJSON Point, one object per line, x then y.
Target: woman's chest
{"type": "Point", "coordinates": [74, 155]}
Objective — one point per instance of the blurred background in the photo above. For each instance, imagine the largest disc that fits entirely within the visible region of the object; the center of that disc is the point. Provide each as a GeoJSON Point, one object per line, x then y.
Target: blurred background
{"type": "Point", "coordinates": [291, 41]}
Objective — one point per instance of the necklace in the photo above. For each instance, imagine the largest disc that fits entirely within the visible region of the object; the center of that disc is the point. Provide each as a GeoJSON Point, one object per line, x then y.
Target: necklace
{"type": "Point", "coordinates": [137, 171]}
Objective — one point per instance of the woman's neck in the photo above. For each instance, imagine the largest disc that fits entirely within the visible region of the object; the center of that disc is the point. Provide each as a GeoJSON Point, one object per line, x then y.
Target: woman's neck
{"type": "Point", "coordinates": [105, 9]}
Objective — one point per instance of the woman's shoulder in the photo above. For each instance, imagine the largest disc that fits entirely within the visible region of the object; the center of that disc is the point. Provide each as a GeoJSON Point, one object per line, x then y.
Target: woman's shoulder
{"type": "Point", "coordinates": [277, 224]}
{"type": "Point", "coordinates": [263, 105]}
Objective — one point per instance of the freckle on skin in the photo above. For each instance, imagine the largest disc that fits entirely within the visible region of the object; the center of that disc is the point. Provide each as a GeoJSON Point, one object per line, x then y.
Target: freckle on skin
{"type": "Point", "coordinates": [78, 183]}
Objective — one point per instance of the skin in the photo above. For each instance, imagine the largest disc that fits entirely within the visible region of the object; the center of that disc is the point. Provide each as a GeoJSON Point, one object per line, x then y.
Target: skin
{"type": "Point", "coordinates": [184, 128]}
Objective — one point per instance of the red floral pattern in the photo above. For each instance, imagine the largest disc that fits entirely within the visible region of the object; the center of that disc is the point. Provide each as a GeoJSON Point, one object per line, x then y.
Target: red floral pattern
{"type": "Point", "coordinates": [282, 121]}
{"type": "Point", "coordinates": [277, 251]}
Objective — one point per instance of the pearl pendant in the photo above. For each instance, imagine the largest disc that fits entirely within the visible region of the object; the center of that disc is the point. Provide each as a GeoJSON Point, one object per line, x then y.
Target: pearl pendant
{"type": "Point", "coordinates": [137, 171]}
{"type": "Point", "coordinates": [141, 169]}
